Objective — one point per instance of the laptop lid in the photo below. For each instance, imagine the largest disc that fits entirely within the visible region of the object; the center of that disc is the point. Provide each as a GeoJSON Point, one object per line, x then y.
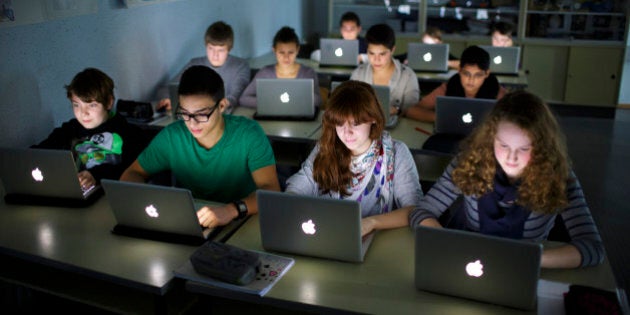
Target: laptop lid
{"type": "Point", "coordinates": [311, 226]}
{"type": "Point", "coordinates": [428, 57]}
{"type": "Point", "coordinates": [476, 266]}
{"type": "Point", "coordinates": [285, 99]}
{"type": "Point", "coordinates": [339, 52]}
{"type": "Point", "coordinates": [173, 95]}
{"type": "Point", "coordinates": [503, 60]}
{"type": "Point", "coordinates": [156, 212]}
{"type": "Point", "coordinates": [460, 115]}
{"type": "Point", "coordinates": [382, 93]}
{"type": "Point", "coordinates": [41, 173]}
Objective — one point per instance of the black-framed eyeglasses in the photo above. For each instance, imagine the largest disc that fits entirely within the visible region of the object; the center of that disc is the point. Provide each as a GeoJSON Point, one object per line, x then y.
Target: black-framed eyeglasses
{"type": "Point", "coordinates": [200, 118]}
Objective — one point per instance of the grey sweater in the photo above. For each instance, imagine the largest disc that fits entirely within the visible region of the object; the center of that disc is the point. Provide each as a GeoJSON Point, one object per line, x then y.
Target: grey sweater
{"type": "Point", "coordinates": [406, 188]}
{"type": "Point", "coordinates": [577, 216]}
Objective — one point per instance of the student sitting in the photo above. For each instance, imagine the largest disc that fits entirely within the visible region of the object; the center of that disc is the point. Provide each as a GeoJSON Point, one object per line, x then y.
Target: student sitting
{"type": "Point", "coordinates": [350, 29]}
{"type": "Point", "coordinates": [286, 46]}
{"type": "Point", "coordinates": [234, 71]}
{"type": "Point", "coordinates": [433, 35]}
{"type": "Point", "coordinates": [356, 159]}
{"type": "Point", "coordinates": [383, 69]}
{"type": "Point", "coordinates": [501, 33]}
{"type": "Point", "coordinates": [219, 157]}
{"type": "Point", "coordinates": [514, 175]}
{"type": "Point", "coordinates": [473, 80]}
{"type": "Point", "coordinates": [102, 141]}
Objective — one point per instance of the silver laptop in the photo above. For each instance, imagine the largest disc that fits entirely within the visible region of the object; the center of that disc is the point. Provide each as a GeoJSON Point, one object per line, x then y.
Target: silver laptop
{"type": "Point", "coordinates": [28, 174]}
{"type": "Point", "coordinates": [460, 115]}
{"type": "Point", "coordinates": [503, 60]}
{"type": "Point", "coordinates": [173, 94]}
{"type": "Point", "coordinates": [285, 99]}
{"type": "Point", "coordinates": [311, 226]}
{"type": "Point", "coordinates": [156, 212]}
{"type": "Point", "coordinates": [476, 266]}
{"type": "Point", "coordinates": [382, 93]}
{"type": "Point", "coordinates": [339, 52]}
{"type": "Point", "coordinates": [428, 57]}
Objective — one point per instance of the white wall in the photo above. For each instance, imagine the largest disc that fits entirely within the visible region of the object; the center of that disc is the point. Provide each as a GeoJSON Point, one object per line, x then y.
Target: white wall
{"type": "Point", "coordinates": [140, 48]}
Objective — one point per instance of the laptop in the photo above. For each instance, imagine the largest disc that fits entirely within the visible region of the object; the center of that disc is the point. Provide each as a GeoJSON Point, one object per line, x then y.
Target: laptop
{"type": "Point", "coordinates": [503, 60]}
{"type": "Point", "coordinates": [285, 99]}
{"type": "Point", "coordinates": [460, 115]}
{"type": "Point", "coordinates": [173, 94]}
{"type": "Point", "coordinates": [311, 226]}
{"type": "Point", "coordinates": [156, 212]}
{"type": "Point", "coordinates": [428, 57]}
{"type": "Point", "coordinates": [382, 93]}
{"type": "Point", "coordinates": [339, 52]}
{"type": "Point", "coordinates": [43, 177]}
{"type": "Point", "coordinates": [475, 266]}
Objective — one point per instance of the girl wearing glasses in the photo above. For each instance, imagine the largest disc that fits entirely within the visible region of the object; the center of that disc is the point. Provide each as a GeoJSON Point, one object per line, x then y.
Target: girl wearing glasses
{"type": "Point", "coordinates": [357, 159]}
{"type": "Point", "coordinates": [103, 142]}
{"type": "Point", "coordinates": [286, 46]}
{"type": "Point", "coordinates": [473, 80]}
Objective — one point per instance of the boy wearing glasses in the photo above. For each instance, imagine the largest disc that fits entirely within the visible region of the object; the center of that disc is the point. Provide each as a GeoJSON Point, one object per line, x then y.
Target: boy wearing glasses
{"type": "Point", "coordinates": [217, 157]}
{"type": "Point", "coordinates": [103, 143]}
{"type": "Point", "coordinates": [473, 80]}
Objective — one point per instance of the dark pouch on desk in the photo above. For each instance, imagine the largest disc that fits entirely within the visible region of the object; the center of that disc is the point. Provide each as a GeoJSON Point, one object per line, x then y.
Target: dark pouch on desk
{"type": "Point", "coordinates": [225, 262]}
{"type": "Point", "coordinates": [134, 110]}
{"type": "Point", "coordinates": [588, 300]}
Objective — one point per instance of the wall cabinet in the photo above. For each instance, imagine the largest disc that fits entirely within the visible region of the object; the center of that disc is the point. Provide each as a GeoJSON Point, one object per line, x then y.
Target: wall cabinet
{"type": "Point", "coordinates": [572, 50]}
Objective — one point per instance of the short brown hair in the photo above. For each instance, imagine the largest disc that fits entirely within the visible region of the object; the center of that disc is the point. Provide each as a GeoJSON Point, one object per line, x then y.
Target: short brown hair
{"type": "Point", "coordinates": [91, 85]}
{"type": "Point", "coordinates": [220, 34]}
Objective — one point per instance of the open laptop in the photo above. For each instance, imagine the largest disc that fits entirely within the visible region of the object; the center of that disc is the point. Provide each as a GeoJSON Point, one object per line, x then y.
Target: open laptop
{"type": "Point", "coordinates": [428, 57]}
{"type": "Point", "coordinates": [311, 226]}
{"type": "Point", "coordinates": [285, 99]}
{"type": "Point", "coordinates": [339, 52]}
{"type": "Point", "coordinates": [480, 267]}
{"type": "Point", "coordinates": [503, 60]}
{"type": "Point", "coordinates": [42, 176]}
{"type": "Point", "coordinates": [460, 115]}
{"type": "Point", "coordinates": [382, 93]}
{"type": "Point", "coordinates": [156, 212]}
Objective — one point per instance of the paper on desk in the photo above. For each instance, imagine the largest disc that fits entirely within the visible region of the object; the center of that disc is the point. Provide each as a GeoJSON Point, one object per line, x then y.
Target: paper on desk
{"type": "Point", "coordinates": [272, 268]}
{"type": "Point", "coordinates": [551, 296]}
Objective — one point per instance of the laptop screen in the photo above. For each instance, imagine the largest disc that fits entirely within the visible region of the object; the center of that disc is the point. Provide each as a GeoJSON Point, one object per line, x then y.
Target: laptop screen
{"type": "Point", "coordinates": [504, 60]}
{"type": "Point", "coordinates": [285, 98]}
{"type": "Point", "coordinates": [339, 52]}
{"type": "Point", "coordinates": [428, 57]}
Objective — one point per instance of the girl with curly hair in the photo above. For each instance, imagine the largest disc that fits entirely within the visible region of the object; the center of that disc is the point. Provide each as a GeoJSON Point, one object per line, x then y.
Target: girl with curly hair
{"type": "Point", "coordinates": [514, 175]}
{"type": "Point", "coordinates": [356, 159]}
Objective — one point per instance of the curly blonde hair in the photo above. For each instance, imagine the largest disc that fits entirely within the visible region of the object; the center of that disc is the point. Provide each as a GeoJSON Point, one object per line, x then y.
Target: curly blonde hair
{"type": "Point", "coordinates": [350, 100]}
{"type": "Point", "coordinates": [544, 180]}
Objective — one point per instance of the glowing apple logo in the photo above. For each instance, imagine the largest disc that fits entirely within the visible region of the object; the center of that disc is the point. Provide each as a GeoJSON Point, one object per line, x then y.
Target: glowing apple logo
{"type": "Point", "coordinates": [308, 227]}
{"type": "Point", "coordinates": [339, 52]}
{"type": "Point", "coordinates": [151, 211]}
{"type": "Point", "coordinates": [474, 269]}
{"type": "Point", "coordinates": [284, 97]}
{"type": "Point", "coordinates": [427, 57]}
{"type": "Point", "coordinates": [467, 118]}
{"type": "Point", "coordinates": [497, 60]}
{"type": "Point", "coordinates": [37, 175]}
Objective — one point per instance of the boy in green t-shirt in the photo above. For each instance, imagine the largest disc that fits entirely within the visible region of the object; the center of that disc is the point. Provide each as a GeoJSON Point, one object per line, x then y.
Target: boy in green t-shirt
{"type": "Point", "coordinates": [218, 157]}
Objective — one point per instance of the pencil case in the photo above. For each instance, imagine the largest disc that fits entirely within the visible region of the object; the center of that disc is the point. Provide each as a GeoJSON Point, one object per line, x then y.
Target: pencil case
{"type": "Point", "coordinates": [226, 263]}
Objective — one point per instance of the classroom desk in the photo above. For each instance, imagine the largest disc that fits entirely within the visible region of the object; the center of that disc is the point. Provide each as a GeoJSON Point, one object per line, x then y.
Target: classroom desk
{"type": "Point", "coordinates": [275, 129]}
{"type": "Point", "coordinates": [71, 253]}
{"type": "Point", "coordinates": [518, 81]}
{"type": "Point", "coordinates": [382, 284]}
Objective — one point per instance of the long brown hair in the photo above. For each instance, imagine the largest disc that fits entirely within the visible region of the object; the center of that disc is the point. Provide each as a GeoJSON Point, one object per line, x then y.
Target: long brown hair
{"type": "Point", "coordinates": [544, 180]}
{"type": "Point", "coordinates": [350, 100]}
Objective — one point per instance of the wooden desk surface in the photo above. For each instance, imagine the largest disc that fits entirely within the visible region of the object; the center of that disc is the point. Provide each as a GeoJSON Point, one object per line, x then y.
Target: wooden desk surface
{"type": "Point", "coordinates": [279, 129]}
{"type": "Point", "coordinates": [382, 284]}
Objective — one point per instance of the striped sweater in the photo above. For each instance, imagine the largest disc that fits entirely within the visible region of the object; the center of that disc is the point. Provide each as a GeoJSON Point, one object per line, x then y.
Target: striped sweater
{"type": "Point", "coordinates": [577, 216]}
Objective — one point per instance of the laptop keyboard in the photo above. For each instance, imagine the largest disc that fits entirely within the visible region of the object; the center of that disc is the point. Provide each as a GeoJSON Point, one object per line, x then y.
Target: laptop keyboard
{"type": "Point", "coordinates": [87, 190]}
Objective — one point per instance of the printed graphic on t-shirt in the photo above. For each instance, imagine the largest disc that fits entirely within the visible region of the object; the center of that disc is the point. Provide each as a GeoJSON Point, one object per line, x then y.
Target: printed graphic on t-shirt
{"type": "Point", "coordinates": [100, 148]}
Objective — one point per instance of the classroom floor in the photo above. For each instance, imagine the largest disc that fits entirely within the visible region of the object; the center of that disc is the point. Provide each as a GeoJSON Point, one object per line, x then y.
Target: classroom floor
{"type": "Point", "coordinates": [599, 148]}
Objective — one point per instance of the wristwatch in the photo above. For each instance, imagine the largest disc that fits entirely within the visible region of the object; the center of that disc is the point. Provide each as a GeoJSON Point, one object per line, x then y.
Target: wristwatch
{"type": "Point", "coordinates": [241, 208]}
